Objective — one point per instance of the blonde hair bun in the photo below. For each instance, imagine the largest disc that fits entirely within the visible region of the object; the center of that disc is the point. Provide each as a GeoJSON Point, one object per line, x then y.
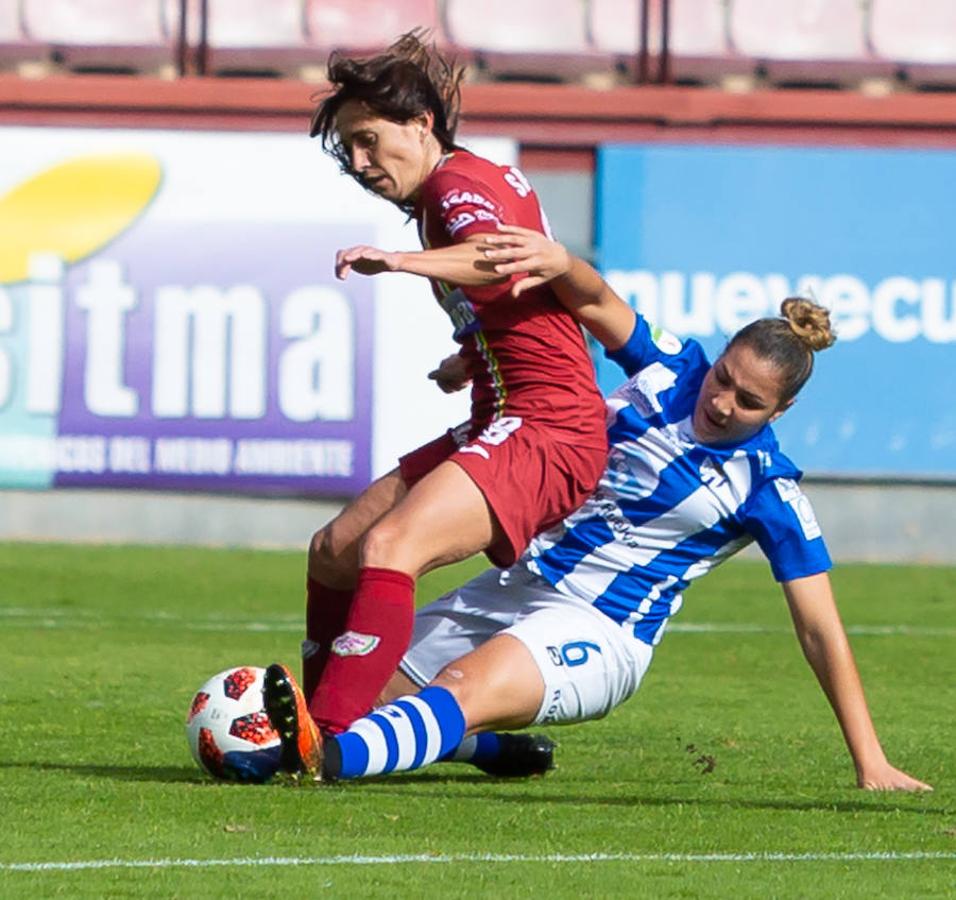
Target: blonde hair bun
{"type": "Point", "coordinates": [809, 321]}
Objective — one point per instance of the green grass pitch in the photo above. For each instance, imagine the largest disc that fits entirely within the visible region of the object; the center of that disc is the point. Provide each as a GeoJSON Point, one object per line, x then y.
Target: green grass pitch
{"type": "Point", "coordinates": [103, 647]}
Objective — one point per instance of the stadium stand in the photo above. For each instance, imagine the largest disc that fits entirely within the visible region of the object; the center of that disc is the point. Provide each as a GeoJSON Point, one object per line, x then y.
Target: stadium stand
{"type": "Point", "coordinates": [698, 46]}
{"type": "Point", "coordinates": [368, 25]}
{"type": "Point", "coordinates": [821, 42]}
{"type": "Point", "coordinates": [295, 37]}
{"type": "Point", "coordinates": [249, 36]}
{"type": "Point", "coordinates": [736, 44]}
{"type": "Point", "coordinates": [110, 35]}
{"type": "Point", "coordinates": [614, 27]}
{"type": "Point", "coordinates": [698, 49]}
{"type": "Point", "coordinates": [15, 47]}
{"type": "Point", "coordinates": [919, 36]}
{"type": "Point", "coordinates": [536, 39]}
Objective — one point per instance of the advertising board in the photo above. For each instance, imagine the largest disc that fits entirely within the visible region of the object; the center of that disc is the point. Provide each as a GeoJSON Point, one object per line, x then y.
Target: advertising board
{"type": "Point", "coordinates": [704, 239]}
{"type": "Point", "coordinates": [169, 316]}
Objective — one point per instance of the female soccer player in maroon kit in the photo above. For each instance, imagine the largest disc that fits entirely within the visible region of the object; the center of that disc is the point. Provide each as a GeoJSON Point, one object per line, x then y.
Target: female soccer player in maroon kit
{"type": "Point", "coordinates": [535, 444]}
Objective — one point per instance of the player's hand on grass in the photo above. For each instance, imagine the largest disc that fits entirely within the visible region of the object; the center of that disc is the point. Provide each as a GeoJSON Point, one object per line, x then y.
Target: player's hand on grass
{"type": "Point", "coordinates": [519, 250]}
{"type": "Point", "coordinates": [365, 261]}
{"type": "Point", "coordinates": [888, 778]}
{"type": "Point", "coordinates": [451, 374]}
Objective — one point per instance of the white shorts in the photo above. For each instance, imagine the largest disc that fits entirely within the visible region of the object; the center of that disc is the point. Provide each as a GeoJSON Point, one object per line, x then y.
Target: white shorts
{"type": "Point", "coordinates": [589, 663]}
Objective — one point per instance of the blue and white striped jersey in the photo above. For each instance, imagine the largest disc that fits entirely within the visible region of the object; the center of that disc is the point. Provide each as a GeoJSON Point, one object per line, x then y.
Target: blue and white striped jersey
{"type": "Point", "coordinates": [668, 509]}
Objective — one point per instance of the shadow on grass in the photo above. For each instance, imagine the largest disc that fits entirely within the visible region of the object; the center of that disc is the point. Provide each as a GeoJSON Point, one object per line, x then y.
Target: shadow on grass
{"type": "Point", "coordinates": [418, 784]}
{"type": "Point", "coordinates": [159, 774]}
{"type": "Point", "coordinates": [411, 786]}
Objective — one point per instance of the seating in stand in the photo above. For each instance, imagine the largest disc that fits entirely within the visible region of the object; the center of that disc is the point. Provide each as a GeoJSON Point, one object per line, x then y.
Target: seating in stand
{"type": "Point", "coordinates": [812, 42]}
{"type": "Point", "coordinates": [255, 37]}
{"type": "Point", "coordinates": [106, 34]}
{"type": "Point", "coordinates": [359, 26]}
{"type": "Point", "coordinates": [918, 37]}
{"type": "Point", "coordinates": [538, 39]}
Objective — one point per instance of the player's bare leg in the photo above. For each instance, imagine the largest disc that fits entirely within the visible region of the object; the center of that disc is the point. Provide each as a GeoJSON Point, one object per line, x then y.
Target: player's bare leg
{"type": "Point", "coordinates": [333, 569]}
{"type": "Point", "coordinates": [334, 550]}
{"type": "Point", "coordinates": [498, 684]}
{"type": "Point", "coordinates": [443, 519]}
{"type": "Point", "coordinates": [503, 755]}
{"type": "Point", "coordinates": [398, 686]}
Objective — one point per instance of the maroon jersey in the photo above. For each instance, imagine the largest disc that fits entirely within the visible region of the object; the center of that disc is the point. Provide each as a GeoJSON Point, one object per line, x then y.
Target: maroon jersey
{"type": "Point", "coordinates": [527, 356]}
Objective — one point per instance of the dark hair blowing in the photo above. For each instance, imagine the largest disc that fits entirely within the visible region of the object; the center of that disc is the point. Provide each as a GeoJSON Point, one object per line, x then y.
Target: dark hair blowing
{"type": "Point", "coordinates": [409, 79]}
{"type": "Point", "coordinates": [790, 341]}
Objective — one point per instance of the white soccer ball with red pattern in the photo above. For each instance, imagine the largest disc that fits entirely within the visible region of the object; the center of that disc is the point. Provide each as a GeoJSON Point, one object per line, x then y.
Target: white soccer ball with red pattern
{"type": "Point", "coordinates": [228, 729]}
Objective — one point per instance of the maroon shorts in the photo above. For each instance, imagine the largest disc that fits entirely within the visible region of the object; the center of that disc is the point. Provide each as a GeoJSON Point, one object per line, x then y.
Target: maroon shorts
{"type": "Point", "coordinates": [530, 480]}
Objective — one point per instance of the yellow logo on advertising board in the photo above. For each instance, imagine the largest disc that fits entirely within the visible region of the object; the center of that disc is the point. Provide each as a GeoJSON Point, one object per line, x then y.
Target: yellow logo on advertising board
{"type": "Point", "coordinates": [73, 209]}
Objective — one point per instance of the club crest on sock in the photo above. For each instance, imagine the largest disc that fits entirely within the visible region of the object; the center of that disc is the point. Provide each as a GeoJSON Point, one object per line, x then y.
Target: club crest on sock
{"type": "Point", "coordinates": [353, 643]}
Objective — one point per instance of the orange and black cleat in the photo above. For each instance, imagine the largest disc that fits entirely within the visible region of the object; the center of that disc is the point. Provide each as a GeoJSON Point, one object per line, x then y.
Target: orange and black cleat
{"type": "Point", "coordinates": [288, 712]}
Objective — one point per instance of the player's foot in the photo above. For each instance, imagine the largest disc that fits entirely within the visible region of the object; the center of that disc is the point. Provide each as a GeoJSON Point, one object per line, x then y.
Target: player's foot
{"type": "Point", "coordinates": [520, 755]}
{"type": "Point", "coordinates": [289, 714]}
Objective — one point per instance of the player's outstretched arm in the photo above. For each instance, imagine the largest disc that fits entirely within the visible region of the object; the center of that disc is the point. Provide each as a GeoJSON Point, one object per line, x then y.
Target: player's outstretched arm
{"type": "Point", "coordinates": [462, 264]}
{"type": "Point", "coordinates": [586, 295]}
{"type": "Point", "coordinates": [825, 645]}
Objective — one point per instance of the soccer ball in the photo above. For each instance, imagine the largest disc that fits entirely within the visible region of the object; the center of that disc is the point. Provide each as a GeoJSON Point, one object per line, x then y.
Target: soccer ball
{"type": "Point", "coordinates": [228, 729]}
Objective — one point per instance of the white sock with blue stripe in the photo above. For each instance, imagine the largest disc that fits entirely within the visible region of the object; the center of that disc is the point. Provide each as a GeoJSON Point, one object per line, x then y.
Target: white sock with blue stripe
{"type": "Point", "coordinates": [411, 732]}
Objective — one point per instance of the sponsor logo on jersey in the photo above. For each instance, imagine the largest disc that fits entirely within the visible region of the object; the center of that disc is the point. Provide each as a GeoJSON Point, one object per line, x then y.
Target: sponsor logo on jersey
{"type": "Point", "coordinates": [791, 494]}
{"type": "Point", "coordinates": [787, 489]}
{"type": "Point", "coordinates": [665, 341]}
{"type": "Point", "coordinates": [353, 643]}
{"type": "Point", "coordinates": [807, 518]}
{"type": "Point", "coordinates": [456, 197]}
{"type": "Point", "coordinates": [643, 389]}
{"type": "Point", "coordinates": [459, 221]}
{"type": "Point", "coordinates": [484, 216]}
{"type": "Point", "coordinates": [604, 503]}
{"type": "Point", "coordinates": [712, 473]}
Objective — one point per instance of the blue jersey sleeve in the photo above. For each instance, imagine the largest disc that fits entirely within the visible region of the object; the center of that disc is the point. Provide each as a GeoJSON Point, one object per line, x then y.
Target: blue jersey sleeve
{"type": "Point", "coordinates": [645, 345]}
{"type": "Point", "coordinates": [782, 521]}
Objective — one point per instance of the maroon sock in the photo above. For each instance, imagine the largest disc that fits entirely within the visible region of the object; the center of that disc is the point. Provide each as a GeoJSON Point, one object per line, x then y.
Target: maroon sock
{"type": "Point", "coordinates": [366, 655]}
{"type": "Point", "coordinates": [326, 610]}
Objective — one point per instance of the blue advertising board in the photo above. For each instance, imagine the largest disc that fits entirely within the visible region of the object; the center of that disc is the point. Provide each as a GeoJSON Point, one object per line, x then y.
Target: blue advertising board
{"type": "Point", "coordinates": [703, 239]}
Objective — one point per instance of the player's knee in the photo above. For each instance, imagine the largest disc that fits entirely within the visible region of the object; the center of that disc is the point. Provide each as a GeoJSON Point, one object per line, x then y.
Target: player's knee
{"type": "Point", "coordinates": [327, 564]}
{"type": "Point", "coordinates": [462, 686]}
{"type": "Point", "coordinates": [383, 544]}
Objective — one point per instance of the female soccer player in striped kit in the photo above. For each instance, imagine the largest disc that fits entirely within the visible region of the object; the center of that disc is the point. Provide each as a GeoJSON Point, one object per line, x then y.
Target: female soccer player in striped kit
{"type": "Point", "coordinates": [535, 444]}
{"type": "Point", "coordinates": [693, 475]}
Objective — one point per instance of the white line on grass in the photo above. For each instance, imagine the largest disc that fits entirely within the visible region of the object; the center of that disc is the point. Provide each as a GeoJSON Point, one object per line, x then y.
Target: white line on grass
{"type": "Point", "coordinates": [863, 630]}
{"type": "Point", "coordinates": [59, 618]}
{"type": "Point", "coordinates": [454, 858]}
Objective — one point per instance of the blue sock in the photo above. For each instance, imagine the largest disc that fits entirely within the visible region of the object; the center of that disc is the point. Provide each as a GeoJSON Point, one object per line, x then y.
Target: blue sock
{"type": "Point", "coordinates": [476, 749]}
{"type": "Point", "coordinates": [409, 733]}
